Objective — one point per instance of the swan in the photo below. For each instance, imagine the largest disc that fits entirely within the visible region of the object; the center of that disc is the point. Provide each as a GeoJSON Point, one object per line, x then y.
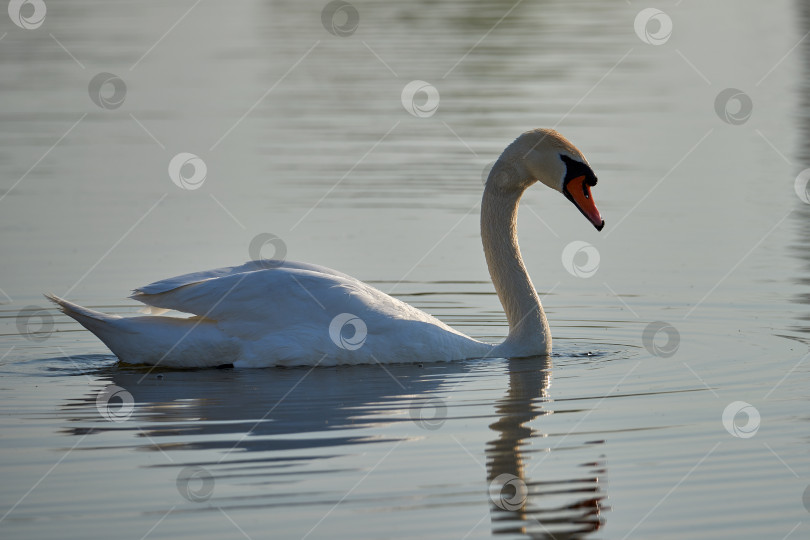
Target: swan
{"type": "Point", "coordinates": [283, 313]}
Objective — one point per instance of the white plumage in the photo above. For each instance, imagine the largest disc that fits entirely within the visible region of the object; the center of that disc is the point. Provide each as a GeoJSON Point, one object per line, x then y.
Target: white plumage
{"type": "Point", "coordinates": [282, 313]}
{"type": "Point", "coordinates": [273, 312]}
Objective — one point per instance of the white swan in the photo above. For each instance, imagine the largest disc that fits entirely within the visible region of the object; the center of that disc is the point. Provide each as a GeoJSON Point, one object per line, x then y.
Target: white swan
{"type": "Point", "coordinates": [281, 313]}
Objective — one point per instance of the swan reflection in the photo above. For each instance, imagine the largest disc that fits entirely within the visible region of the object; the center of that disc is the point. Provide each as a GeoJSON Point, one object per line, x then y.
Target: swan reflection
{"type": "Point", "coordinates": [254, 411]}
{"type": "Point", "coordinates": [530, 494]}
{"type": "Point", "coordinates": [264, 429]}
{"type": "Point", "coordinates": [283, 442]}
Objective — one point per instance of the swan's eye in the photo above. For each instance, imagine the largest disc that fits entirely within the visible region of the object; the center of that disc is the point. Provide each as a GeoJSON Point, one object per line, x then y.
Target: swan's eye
{"type": "Point", "coordinates": [576, 170]}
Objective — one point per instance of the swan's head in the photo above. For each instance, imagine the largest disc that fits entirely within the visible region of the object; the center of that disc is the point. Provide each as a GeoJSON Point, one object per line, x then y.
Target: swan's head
{"type": "Point", "coordinates": [543, 155]}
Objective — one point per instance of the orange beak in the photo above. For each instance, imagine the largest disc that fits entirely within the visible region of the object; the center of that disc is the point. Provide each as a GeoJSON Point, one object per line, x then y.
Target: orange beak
{"type": "Point", "coordinates": [578, 191]}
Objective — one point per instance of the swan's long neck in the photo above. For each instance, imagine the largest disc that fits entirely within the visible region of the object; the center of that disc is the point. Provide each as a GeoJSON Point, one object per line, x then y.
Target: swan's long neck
{"type": "Point", "coordinates": [528, 328]}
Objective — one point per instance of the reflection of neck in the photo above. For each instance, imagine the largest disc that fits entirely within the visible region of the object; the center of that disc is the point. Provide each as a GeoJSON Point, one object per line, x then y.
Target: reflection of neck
{"type": "Point", "coordinates": [528, 329]}
{"type": "Point", "coordinates": [527, 382]}
{"type": "Point", "coordinates": [541, 514]}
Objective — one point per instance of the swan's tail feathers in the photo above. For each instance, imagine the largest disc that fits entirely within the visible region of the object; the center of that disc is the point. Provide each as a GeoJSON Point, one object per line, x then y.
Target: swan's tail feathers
{"type": "Point", "coordinates": [170, 341]}
{"type": "Point", "coordinates": [95, 321]}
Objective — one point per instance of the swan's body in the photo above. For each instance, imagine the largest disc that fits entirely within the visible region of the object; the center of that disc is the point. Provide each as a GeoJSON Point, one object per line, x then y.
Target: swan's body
{"type": "Point", "coordinates": [274, 313]}
{"type": "Point", "coordinates": [281, 313]}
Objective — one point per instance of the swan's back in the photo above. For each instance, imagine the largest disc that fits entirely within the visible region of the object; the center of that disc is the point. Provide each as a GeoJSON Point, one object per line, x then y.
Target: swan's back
{"type": "Point", "coordinates": [301, 314]}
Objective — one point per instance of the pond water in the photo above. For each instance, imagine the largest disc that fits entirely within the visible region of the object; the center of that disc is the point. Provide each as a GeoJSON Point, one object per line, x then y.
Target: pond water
{"type": "Point", "coordinates": [676, 402]}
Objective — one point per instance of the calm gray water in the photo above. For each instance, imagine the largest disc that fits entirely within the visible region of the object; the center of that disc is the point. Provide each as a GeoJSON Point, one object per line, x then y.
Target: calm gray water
{"type": "Point", "coordinates": [697, 428]}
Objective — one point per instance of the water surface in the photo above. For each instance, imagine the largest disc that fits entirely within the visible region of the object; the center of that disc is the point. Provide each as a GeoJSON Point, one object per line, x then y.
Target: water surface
{"type": "Point", "coordinates": [304, 135]}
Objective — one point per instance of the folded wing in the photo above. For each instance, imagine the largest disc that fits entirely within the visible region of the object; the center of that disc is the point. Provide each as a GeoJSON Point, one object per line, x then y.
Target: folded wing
{"type": "Point", "coordinates": [257, 298]}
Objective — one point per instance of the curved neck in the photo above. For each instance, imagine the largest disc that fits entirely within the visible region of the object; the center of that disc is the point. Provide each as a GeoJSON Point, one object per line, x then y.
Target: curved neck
{"type": "Point", "coordinates": [528, 328]}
